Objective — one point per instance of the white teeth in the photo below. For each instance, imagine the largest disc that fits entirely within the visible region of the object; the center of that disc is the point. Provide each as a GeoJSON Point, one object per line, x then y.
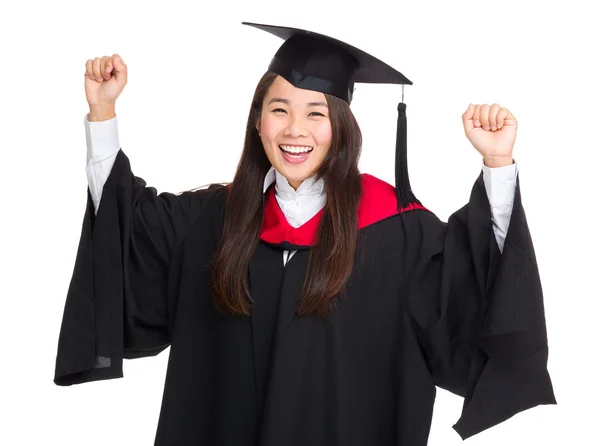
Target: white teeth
{"type": "Point", "coordinates": [296, 149]}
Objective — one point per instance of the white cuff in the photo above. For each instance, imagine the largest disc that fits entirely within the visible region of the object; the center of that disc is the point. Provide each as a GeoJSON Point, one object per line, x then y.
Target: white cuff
{"type": "Point", "coordinates": [500, 184]}
{"type": "Point", "coordinates": [102, 138]}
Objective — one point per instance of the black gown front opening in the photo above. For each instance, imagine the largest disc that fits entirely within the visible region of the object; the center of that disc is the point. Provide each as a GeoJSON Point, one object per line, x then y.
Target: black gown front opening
{"type": "Point", "coordinates": [428, 304]}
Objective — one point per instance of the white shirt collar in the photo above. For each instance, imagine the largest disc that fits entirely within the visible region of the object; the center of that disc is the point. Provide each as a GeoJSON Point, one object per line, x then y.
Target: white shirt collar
{"type": "Point", "coordinates": [310, 186]}
{"type": "Point", "coordinates": [299, 205]}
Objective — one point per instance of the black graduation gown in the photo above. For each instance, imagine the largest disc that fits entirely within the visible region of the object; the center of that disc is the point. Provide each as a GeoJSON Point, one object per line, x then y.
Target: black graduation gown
{"type": "Point", "coordinates": [428, 304]}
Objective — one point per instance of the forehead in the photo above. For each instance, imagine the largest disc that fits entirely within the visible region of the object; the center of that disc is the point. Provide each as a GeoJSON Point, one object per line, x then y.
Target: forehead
{"type": "Point", "coordinates": [281, 88]}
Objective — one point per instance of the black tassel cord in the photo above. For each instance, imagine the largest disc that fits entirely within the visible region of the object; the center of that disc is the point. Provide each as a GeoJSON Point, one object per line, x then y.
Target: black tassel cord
{"type": "Point", "coordinates": [404, 192]}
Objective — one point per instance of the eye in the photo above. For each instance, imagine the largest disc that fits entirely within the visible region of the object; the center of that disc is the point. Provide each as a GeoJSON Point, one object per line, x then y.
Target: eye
{"type": "Point", "coordinates": [279, 110]}
{"type": "Point", "coordinates": [316, 114]}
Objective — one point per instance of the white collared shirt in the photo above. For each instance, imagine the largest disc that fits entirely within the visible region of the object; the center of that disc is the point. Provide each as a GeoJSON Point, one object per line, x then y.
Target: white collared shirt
{"type": "Point", "coordinates": [298, 206]}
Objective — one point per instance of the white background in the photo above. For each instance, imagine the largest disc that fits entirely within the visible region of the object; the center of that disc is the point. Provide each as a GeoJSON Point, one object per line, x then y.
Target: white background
{"type": "Point", "coordinates": [192, 73]}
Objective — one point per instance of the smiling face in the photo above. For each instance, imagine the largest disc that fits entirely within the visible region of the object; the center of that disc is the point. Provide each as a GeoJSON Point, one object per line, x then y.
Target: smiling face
{"type": "Point", "coordinates": [295, 130]}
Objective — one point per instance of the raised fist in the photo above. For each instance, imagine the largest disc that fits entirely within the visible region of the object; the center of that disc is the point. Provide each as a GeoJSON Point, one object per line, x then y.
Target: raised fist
{"type": "Point", "coordinates": [105, 79]}
{"type": "Point", "coordinates": [492, 130]}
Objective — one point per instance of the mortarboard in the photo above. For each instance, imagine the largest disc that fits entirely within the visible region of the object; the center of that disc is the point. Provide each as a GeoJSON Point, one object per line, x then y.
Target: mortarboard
{"type": "Point", "coordinates": [317, 62]}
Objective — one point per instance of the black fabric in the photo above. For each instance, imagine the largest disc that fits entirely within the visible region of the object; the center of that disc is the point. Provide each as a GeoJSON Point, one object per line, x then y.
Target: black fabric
{"type": "Point", "coordinates": [404, 193]}
{"type": "Point", "coordinates": [428, 304]}
{"type": "Point", "coordinates": [317, 62]}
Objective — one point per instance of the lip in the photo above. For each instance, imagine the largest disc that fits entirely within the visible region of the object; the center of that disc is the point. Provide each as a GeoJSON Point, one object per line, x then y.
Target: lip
{"type": "Point", "coordinates": [295, 159]}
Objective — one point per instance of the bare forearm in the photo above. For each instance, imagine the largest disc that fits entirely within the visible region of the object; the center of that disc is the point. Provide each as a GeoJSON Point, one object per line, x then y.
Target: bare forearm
{"type": "Point", "coordinates": [101, 112]}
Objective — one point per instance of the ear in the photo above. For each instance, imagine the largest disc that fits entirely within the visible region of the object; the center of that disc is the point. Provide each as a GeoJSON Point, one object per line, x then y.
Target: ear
{"type": "Point", "coordinates": [258, 126]}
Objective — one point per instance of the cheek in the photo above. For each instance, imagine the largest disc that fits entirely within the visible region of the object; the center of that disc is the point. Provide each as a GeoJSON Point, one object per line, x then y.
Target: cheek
{"type": "Point", "coordinates": [269, 131]}
{"type": "Point", "coordinates": [269, 128]}
{"type": "Point", "coordinates": [322, 135]}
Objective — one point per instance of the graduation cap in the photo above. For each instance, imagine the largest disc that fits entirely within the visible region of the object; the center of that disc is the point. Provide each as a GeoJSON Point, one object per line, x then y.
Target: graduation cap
{"type": "Point", "coordinates": [313, 61]}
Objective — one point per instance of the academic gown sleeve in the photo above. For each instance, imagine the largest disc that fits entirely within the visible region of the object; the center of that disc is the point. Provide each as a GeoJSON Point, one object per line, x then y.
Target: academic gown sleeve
{"type": "Point", "coordinates": [478, 313]}
{"type": "Point", "coordinates": [117, 303]}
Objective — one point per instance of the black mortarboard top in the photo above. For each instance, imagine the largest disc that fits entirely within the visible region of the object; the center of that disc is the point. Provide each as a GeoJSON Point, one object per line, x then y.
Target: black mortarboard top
{"type": "Point", "coordinates": [317, 62]}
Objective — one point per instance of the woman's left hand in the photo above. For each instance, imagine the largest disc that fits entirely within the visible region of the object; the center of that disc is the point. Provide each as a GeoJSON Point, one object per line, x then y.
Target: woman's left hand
{"type": "Point", "coordinates": [492, 130]}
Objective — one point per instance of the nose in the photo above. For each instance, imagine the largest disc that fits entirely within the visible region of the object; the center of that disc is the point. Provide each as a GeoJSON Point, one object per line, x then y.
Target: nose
{"type": "Point", "coordinates": [295, 128]}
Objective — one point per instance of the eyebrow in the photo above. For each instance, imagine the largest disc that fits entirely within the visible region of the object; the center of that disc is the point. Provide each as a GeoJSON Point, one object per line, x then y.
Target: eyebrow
{"type": "Point", "coordinates": [310, 104]}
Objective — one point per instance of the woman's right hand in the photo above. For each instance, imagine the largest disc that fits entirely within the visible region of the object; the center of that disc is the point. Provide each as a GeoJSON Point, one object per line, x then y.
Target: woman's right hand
{"type": "Point", "coordinates": [105, 78]}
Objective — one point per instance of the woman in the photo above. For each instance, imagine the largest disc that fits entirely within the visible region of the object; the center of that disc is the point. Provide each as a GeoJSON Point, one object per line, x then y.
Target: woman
{"type": "Point", "coordinates": [303, 304]}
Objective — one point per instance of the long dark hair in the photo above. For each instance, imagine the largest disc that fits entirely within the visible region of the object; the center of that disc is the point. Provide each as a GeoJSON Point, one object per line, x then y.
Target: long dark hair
{"type": "Point", "coordinates": [332, 258]}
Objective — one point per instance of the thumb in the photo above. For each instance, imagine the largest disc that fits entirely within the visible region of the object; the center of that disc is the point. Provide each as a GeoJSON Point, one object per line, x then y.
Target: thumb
{"type": "Point", "coordinates": [510, 120]}
{"type": "Point", "coordinates": [467, 119]}
{"type": "Point", "coordinates": [120, 68]}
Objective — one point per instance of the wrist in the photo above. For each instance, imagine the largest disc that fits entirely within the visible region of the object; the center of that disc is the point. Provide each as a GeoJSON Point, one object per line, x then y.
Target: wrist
{"type": "Point", "coordinates": [498, 161]}
{"type": "Point", "coordinates": [101, 112]}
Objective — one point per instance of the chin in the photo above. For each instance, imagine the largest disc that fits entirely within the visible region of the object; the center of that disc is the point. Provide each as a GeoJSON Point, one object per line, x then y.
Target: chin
{"type": "Point", "coordinates": [296, 175]}
{"type": "Point", "coordinates": [295, 170]}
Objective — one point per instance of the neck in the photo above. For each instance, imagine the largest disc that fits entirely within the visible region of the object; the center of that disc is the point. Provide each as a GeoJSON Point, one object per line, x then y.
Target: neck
{"type": "Point", "coordinates": [295, 184]}
{"type": "Point", "coordinates": [308, 186]}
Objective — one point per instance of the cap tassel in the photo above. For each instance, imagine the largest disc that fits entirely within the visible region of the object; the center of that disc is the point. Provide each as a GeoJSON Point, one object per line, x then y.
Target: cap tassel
{"type": "Point", "coordinates": [404, 192]}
